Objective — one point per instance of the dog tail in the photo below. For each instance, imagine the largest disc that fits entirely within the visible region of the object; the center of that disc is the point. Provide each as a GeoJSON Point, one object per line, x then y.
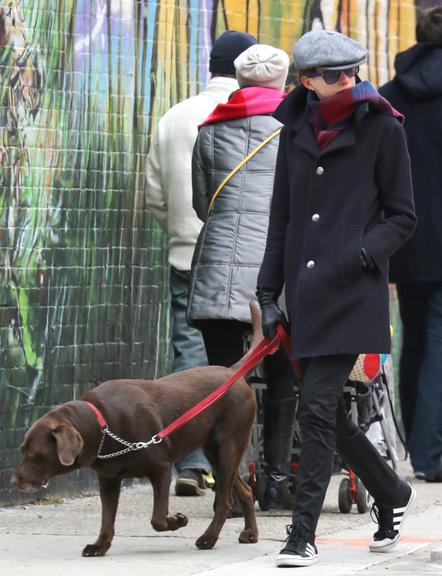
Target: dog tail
{"type": "Point", "coordinates": [257, 334]}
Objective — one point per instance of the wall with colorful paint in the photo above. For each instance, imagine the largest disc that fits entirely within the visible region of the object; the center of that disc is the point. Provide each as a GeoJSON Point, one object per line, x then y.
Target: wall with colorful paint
{"type": "Point", "coordinates": [83, 290]}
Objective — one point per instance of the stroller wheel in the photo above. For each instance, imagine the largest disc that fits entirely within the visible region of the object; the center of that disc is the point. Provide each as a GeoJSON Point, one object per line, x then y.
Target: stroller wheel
{"type": "Point", "coordinates": [344, 501]}
{"type": "Point", "coordinates": [363, 498]}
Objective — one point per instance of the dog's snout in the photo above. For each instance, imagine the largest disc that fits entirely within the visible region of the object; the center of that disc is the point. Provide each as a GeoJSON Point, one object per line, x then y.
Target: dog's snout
{"type": "Point", "coordinates": [25, 486]}
{"type": "Point", "coordinates": [16, 481]}
{"type": "Point", "coordinates": [26, 482]}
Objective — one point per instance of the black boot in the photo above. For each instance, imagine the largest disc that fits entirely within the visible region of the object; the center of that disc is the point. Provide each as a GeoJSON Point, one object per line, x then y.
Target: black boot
{"type": "Point", "coordinates": [279, 424]}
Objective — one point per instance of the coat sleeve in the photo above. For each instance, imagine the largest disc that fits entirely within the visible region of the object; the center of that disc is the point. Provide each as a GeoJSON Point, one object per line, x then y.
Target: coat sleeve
{"type": "Point", "coordinates": [200, 193]}
{"type": "Point", "coordinates": [271, 274]}
{"type": "Point", "coordinates": [155, 195]}
{"type": "Point", "coordinates": [393, 178]}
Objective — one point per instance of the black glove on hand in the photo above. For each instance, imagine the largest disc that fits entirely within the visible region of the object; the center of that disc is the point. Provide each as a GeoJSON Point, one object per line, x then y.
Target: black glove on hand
{"type": "Point", "coordinates": [271, 312]}
{"type": "Point", "coordinates": [367, 262]}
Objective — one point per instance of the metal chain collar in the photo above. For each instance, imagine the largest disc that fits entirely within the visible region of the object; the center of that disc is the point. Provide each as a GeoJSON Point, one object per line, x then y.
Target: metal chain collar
{"type": "Point", "coordinates": [130, 446]}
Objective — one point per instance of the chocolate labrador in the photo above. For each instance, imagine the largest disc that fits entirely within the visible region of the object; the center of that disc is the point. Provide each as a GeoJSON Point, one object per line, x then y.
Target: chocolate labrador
{"type": "Point", "coordinates": [70, 437]}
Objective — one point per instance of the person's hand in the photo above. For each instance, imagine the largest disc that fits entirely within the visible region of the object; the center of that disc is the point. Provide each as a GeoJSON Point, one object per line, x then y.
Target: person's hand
{"type": "Point", "coordinates": [271, 313]}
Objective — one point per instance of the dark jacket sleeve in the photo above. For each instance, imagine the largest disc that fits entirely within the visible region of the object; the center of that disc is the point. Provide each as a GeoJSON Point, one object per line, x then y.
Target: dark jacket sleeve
{"type": "Point", "coordinates": [200, 199]}
{"type": "Point", "coordinates": [271, 274]}
{"type": "Point", "coordinates": [396, 198]}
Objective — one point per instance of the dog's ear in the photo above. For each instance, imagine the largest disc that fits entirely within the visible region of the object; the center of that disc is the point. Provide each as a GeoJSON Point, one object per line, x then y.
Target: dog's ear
{"type": "Point", "coordinates": [69, 443]}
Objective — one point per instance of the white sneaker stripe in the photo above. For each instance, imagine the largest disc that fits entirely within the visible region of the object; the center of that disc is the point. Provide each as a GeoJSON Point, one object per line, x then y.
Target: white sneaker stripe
{"type": "Point", "coordinates": [310, 548]}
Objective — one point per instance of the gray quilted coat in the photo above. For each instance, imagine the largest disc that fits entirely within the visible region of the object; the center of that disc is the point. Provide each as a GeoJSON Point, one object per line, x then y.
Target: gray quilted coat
{"type": "Point", "coordinates": [231, 244]}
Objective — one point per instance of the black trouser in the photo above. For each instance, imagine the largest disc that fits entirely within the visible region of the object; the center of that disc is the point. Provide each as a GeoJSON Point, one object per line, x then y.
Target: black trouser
{"type": "Point", "coordinates": [420, 372]}
{"type": "Point", "coordinates": [224, 341]}
{"type": "Point", "coordinates": [326, 426]}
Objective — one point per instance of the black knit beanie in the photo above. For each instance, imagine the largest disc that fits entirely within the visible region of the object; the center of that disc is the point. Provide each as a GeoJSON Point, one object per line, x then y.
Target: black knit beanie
{"type": "Point", "coordinates": [226, 48]}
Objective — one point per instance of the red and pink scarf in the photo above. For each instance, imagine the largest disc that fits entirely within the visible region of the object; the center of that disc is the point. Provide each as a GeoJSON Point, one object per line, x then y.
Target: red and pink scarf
{"type": "Point", "coordinates": [246, 102]}
{"type": "Point", "coordinates": [328, 116]}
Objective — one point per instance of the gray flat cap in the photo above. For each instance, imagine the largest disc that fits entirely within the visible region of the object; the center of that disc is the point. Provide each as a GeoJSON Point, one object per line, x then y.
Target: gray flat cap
{"type": "Point", "coordinates": [327, 49]}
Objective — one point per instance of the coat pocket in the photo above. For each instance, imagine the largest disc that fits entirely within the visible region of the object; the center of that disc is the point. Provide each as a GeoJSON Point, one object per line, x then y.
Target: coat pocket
{"type": "Point", "coordinates": [350, 259]}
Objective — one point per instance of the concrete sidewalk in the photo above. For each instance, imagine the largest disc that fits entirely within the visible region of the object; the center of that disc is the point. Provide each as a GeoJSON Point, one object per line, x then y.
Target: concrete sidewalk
{"type": "Point", "coordinates": [47, 540]}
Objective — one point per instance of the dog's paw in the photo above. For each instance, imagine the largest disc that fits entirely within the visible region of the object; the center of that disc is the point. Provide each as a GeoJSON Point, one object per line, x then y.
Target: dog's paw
{"type": "Point", "coordinates": [177, 521]}
{"type": "Point", "coordinates": [248, 537]}
{"type": "Point", "coordinates": [95, 550]}
{"type": "Point", "coordinates": [181, 520]}
{"type": "Point", "coordinates": [205, 542]}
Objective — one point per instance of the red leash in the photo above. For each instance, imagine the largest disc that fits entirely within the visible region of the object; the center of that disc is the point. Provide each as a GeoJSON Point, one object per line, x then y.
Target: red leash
{"type": "Point", "coordinates": [263, 348]}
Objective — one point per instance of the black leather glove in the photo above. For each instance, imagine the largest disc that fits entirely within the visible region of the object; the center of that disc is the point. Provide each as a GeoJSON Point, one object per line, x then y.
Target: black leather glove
{"type": "Point", "coordinates": [367, 262]}
{"type": "Point", "coordinates": [271, 312]}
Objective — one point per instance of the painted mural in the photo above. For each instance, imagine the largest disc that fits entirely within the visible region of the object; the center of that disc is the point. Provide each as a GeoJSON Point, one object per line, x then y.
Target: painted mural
{"type": "Point", "coordinates": [83, 290]}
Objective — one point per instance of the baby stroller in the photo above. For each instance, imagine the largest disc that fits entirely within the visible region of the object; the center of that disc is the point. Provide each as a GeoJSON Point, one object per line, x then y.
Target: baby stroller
{"type": "Point", "coordinates": [368, 397]}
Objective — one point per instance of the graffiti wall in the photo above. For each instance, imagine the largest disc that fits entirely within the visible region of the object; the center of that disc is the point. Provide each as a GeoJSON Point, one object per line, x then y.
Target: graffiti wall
{"type": "Point", "coordinates": [83, 290]}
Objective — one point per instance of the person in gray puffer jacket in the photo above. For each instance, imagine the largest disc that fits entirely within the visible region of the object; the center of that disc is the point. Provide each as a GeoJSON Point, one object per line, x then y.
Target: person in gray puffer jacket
{"type": "Point", "coordinates": [231, 243]}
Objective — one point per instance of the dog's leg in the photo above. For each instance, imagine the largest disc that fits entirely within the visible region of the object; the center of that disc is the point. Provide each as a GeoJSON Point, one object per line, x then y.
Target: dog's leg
{"type": "Point", "coordinates": [223, 461]}
{"type": "Point", "coordinates": [245, 497]}
{"type": "Point", "coordinates": [109, 495]}
{"type": "Point", "coordinates": [160, 520]}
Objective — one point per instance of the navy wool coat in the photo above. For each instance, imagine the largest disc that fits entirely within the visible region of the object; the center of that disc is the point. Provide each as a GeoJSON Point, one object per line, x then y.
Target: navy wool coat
{"type": "Point", "coordinates": [416, 91]}
{"type": "Point", "coordinates": [327, 205]}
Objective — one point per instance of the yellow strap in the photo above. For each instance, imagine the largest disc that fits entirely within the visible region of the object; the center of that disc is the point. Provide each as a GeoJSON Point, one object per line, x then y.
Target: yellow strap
{"type": "Point", "coordinates": [240, 165]}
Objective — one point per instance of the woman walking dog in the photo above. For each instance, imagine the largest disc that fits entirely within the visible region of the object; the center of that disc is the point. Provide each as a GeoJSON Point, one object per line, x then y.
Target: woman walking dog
{"type": "Point", "coordinates": [342, 205]}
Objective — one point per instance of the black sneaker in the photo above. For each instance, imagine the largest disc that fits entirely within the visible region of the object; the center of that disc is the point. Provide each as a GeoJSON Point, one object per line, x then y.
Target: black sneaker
{"type": "Point", "coordinates": [390, 521]}
{"type": "Point", "coordinates": [299, 549]}
{"type": "Point", "coordinates": [190, 482]}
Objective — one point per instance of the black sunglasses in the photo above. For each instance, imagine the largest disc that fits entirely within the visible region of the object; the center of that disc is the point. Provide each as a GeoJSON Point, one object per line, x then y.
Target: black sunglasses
{"type": "Point", "coordinates": [332, 76]}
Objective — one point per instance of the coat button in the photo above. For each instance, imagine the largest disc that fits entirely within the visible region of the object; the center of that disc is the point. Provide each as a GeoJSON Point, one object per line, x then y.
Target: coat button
{"type": "Point", "coordinates": [315, 218]}
{"type": "Point", "coordinates": [319, 170]}
{"type": "Point", "coordinates": [310, 264]}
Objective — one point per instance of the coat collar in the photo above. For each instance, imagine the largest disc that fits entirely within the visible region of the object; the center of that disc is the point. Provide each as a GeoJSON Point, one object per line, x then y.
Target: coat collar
{"type": "Point", "coordinates": [292, 112]}
{"type": "Point", "coordinates": [220, 84]}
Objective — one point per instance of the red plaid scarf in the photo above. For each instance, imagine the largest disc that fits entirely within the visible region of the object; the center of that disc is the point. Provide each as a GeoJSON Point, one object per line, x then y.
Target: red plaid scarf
{"type": "Point", "coordinates": [329, 116]}
{"type": "Point", "coordinates": [246, 102]}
